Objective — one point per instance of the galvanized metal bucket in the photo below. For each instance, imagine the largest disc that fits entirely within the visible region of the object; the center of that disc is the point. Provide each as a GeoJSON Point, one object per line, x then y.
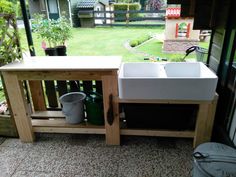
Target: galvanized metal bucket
{"type": "Point", "coordinates": [73, 106]}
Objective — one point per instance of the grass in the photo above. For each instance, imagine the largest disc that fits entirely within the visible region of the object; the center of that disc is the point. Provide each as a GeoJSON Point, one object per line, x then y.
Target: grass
{"type": "Point", "coordinates": [99, 41]}
{"type": "Point", "coordinates": [154, 48]}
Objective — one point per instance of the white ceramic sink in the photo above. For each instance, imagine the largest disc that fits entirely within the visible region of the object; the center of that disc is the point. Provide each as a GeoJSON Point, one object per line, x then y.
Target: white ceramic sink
{"type": "Point", "coordinates": [172, 81]}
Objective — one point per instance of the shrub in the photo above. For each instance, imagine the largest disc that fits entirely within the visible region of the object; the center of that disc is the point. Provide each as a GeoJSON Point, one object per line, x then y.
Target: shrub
{"type": "Point", "coordinates": [124, 7]}
{"type": "Point", "coordinates": [7, 7]}
{"type": "Point", "coordinates": [140, 40]}
{"type": "Point", "coordinates": [133, 43]}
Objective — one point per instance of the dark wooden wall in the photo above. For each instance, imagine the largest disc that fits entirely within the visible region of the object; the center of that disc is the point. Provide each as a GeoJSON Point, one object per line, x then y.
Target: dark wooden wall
{"type": "Point", "coordinates": [220, 17]}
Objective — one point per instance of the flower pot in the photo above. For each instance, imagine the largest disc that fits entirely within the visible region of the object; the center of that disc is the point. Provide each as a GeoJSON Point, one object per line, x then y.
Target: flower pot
{"type": "Point", "coordinates": [61, 50]}
{"type": "Point", "coordinates": [51, 52]}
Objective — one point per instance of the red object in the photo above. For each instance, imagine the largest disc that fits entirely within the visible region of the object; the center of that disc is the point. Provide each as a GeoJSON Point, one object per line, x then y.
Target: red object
{"type": "Point", "coordinates": [188, 30]}
{"type": "Point", "coordinates": [176, 30]}
{"type": "Point", "coordinates": [173, 12]}
{"type": "Point", "coordinates": [44, 45]}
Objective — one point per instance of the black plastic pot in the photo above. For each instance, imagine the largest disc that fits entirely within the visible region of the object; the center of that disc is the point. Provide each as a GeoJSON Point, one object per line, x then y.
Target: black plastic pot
{"type": "Point", "coordinates": [51, 52]}
{"type": "Point", "coordinates": [61, 51]}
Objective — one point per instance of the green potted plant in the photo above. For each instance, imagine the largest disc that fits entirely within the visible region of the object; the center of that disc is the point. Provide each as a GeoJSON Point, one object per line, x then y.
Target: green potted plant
{"type": "Point", "coordinates": [54, 33]}
{"type": "Point", "coordinates": [63, 28]}
{"type": "Point", "coordinates": [45, 30]}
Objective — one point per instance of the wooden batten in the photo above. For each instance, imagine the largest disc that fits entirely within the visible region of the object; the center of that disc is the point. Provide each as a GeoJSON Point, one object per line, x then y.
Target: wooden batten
{"type": "Point", "coordinates": [47, 114]}
{"type": "Point", "coordinates": [61, 75]}
{"type": "Point", "coordinates": [160, 133]}
{"type": "Point", "coordinates": [60, 126]}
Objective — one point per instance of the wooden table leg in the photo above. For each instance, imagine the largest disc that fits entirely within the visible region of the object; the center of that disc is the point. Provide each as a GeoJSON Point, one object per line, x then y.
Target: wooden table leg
{"type": "Point", "coordinates": [110, 87]}
{"type": "Point", "coordinates": [205, 122]}
{"type": "Point", "coordinates": [19, 107]}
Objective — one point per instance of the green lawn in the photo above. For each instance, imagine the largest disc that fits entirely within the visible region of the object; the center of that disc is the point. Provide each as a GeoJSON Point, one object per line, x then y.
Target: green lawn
{"type": "Point", "coordinates": [100, 41]}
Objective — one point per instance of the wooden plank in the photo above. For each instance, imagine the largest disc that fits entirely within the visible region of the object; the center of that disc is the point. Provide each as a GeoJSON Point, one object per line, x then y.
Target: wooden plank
{"type": "Point", "coordinates": [60, 126]}
{"type": "Point", "coordinates": [99, 87]}
{"type": "Point", "coordinates": [160, 133]}
{"type": "Point", "coordinates": [61, 75]}
{"type": "Point", "coordinates": [62, 87]}
{"type": "Point", "coordinates": [47, 114]}
{"type": "Point", "coordinates": [69, 130]}
{"type": "Point", "coordinates": [65, 63]}
{"type": "Point", "coordinates": [88, 86]}
{"type": "Point", "coordinates": [7, 126]}
{"type": "Point", "coordinates": [161, 101]}
{"type": "Point", "coordinates": [62, 123]}
{"type": "Point", "coordinates": [19, 107]}
{"type": "Point", "coordinates": [110, 87]}
{"type": "Point", "coordinates": [73, 86]}
{"type": "Point", "coordinates": [37, 95]}
{"type": "Point", "coordinates": [51, 94]}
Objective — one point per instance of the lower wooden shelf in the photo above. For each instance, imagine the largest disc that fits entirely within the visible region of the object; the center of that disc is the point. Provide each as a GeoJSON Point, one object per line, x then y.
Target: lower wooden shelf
{"type": "Point", "coordinates": [161, 133]}
{"type": "Point", "coordinates": [54, 125]}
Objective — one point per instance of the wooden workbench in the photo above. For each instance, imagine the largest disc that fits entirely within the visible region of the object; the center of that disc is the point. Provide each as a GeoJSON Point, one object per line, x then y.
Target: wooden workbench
{"type": "Point", "coordinates": [102, 68]}
{"type": "Point", "coordinates": [88, 68]}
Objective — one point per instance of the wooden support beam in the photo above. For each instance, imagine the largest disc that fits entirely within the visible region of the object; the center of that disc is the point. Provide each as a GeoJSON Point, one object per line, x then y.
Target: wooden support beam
{"type": "Point", "coordinates": [110, 87]}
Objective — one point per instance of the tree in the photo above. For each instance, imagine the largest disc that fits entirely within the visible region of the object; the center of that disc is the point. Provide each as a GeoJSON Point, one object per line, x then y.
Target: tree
{"type": "Point", "coordinates": [156, 4]}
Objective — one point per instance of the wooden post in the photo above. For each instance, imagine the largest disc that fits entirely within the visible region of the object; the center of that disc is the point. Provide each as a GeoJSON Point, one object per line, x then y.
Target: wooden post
{"type": "Point", "coordinates": [19, 107]}
{"type": "Point", "coordinates": [205, 122]}
{"type": "Point", "coordinates": [109, 86]}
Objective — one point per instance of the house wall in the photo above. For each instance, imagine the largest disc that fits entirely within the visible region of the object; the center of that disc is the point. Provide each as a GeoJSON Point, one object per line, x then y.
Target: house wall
{"type": "Point", "coordinates": [171, 25]}
{"type": "Point", "coordinates": [36, 7]}
{"type": "Point", "coordinates": [179, 44]}
{"type": "Point", "coordinates": [99, 7]}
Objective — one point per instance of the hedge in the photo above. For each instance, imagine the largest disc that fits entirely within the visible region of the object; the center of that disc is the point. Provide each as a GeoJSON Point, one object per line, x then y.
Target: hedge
{"type": "Point", "coordinates": [123, 7]}
{"type": "Point", "coordinates": [140, 40]}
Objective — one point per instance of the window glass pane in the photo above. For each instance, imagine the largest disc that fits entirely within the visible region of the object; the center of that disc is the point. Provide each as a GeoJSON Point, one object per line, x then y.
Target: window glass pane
{"type": "Point", "coordinates": [52, 5]}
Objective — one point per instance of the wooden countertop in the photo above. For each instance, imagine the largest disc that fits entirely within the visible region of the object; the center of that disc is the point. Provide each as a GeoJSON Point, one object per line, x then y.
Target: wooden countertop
{"type": "Point", "coordinates": [52, 63]}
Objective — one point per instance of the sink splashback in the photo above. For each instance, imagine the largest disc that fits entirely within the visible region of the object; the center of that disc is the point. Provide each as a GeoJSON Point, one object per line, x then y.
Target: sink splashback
{"type": "Point", "coordinates": [171, 81]}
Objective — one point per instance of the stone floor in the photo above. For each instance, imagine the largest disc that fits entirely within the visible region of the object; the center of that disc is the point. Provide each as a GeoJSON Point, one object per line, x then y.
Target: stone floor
{"type": "Point", "coordinates": [65, 155]}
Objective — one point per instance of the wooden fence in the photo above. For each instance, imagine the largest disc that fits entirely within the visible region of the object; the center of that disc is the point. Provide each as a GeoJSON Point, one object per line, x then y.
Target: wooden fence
{"type": "Point", "coordinates": [128, 18]}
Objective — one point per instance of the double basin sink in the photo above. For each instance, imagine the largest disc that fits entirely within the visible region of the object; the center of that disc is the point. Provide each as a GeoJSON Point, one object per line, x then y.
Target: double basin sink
{"type": "Point", "coordinates": [167, 81]}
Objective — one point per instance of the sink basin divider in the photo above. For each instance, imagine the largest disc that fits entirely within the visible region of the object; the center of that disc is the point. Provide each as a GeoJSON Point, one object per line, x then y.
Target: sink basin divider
{"type": "Point", "coordinates": [203, 127]}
